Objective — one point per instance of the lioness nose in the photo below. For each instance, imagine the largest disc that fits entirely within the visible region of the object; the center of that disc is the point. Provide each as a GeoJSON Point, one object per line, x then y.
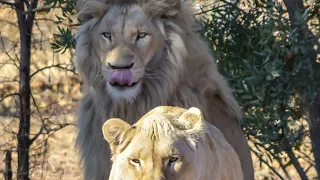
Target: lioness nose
{"type": "Point", "coordinates": [120, 66]}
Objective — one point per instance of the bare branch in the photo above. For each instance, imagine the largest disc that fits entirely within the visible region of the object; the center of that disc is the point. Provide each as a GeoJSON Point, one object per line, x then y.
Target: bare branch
{"type": "Point", "coordinates": [51, 20]}
{"type": "Point", "coordinates": [43, 9]}
{"type": "Point", "coordinates": [8, 171]}
{"type": "Point", "coordinates": [7, 128]}
{"type": "Point", "coordinates": [8, 3]}
{"type": "Point", "coordinates": [202, 12]}
{"type": "Point", "coordinates": [38, 134]}
{"type": "Point", "coordinates": [294, 160]}
{"type": "Point", "coordinates": [9, 22]}
{"type": "Point", "coordinates": [9, 114]}
{"type": "Point", "coordinates": [9, 95]}
{"type": "Point", "coordinates": [60, 66]}
{"type": "Point", "coordinates": [27, 3]}
{"type": "Point", "coordinates": [266, 163]}
{"type": "Point", "coordinates": [3, 48]}
{"type": "Point", "coordinates": [43, 120]}
{"type": "Point", "coordinates": [8, 80]}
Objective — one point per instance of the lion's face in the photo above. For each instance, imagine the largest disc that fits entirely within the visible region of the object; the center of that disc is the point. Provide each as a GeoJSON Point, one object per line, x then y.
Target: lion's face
{"type": "Point", "coordinates": [127, 38]}
{"type": "Point", "coordinates": [162, 145]}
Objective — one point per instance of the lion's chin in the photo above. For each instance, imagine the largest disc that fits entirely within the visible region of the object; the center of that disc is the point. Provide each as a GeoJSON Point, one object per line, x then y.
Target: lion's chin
{"type": "Point", "coordinates": [124, 93]}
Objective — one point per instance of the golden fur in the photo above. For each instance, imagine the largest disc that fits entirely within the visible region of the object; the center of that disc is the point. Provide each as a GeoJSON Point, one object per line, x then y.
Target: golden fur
{"type": "Point", "coordinates": [170, 143]}
{"type": "Point", "coordinates": [172, 66]}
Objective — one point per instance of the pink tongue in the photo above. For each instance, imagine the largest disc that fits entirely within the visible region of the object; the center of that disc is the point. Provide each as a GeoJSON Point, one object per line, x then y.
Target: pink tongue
{"type": "Point", "coordinates": [121, 77]}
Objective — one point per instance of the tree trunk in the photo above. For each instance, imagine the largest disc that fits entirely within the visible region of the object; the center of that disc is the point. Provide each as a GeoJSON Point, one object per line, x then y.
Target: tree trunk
{"type": "Point", "coordinates": [25, 21]}
{"type": "Point", "coordinates": [314, 122]}
{"type": "Point", "coordinates": [294, 160]}
{"type": "Point", "coordinates": [296, 9]}
{"type": "Point", "coordinates": [8, 170]}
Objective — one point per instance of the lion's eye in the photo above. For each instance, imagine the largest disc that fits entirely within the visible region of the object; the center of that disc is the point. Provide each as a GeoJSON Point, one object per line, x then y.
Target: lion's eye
{"type": "Point", "coordinates": [173, 159]}
{"type": "Point", "coordinates": [135, 162]}
{"type": "Point", "coordinates": [107, 35]}
{"type": "Point", "coordinates": [141, 35]}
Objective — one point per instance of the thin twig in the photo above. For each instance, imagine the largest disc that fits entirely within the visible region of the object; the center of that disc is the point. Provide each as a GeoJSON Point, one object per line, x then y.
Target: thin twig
{"type": "Point", "coordinates": [8, 81]}
{"type": "Point", "coordinates": [203, 12]}
{"type": "Point", "coordinates": [3, 48]}
{"type": "Point", "coordinates": [9, 22]}
{"type": "Point", "coordinates": [9, 114]}
{"type": "Point", "coordinates": [9, 95]}
{"type": "Point", "coordinates": [43, 120]}
{"type": "Point", "coordinates": [52, 66]}
{"type": "Point", "coordinates": [51, 20]}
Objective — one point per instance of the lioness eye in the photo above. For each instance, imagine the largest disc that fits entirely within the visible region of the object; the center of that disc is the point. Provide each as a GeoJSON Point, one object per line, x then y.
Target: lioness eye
{"type": "Point", "coordinates": [135, 161]}
{"type": "Point", "coordinates": [106, 35]}
{"type": "Point", "coordinates": [141, 35]}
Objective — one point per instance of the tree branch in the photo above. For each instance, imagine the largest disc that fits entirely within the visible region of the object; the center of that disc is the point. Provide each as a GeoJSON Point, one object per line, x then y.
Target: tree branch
{"type": "Point", "coordinates": [266, 163]}
{"type": "Point", "coordinates": [295, 9]}
{"type": "Point", "coordinates": [8, 3]}
{"type": "Point", "coordinates": [8, 171]}
{"type": "Point", "coordinates": [42, 119]}
{"type": "Point", "coordinates": [52, 66]}
{"type": "Point", "coordinates": [43, 9]}
{"type": "Point", "coordinates": [9, 95]}
{"type": "Point", "coordinates": [9, 114]}
{"type": "Point", "coordinates": [51, 20]}
{"type": "Point", "coordinates": [294, 160]}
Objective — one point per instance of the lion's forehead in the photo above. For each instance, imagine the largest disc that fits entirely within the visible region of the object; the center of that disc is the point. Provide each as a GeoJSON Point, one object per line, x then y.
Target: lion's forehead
{"type": "Point", "coordinates": [144, 147]}
{"type": "Point", "coordinates": [161, 123]}
{"type": "Point", "coordinates": [123, 16]}
{"type": "Point", "coordinates": [168, 110]}
{"type": "Point", "coordinates": [156, 126]}
{"type": "Point", "coordinates": [114, 16]}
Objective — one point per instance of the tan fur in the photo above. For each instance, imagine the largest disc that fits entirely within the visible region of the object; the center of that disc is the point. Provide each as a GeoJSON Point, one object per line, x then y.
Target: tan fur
{"type": "Point", "coordinates": [172, 65]}
{"type": "Point", "coordinates": [198, 149]}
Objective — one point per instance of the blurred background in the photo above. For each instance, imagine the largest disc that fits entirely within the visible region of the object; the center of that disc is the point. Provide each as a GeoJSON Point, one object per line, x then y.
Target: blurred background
{"type": "Point", "coordinates": [268, 50]}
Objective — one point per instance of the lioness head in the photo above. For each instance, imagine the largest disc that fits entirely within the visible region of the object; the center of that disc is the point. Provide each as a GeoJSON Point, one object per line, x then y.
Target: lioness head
{"type": "Point", "coordinates": [164, 144]}
{"type": "Point", "coordinates": [121, 43]}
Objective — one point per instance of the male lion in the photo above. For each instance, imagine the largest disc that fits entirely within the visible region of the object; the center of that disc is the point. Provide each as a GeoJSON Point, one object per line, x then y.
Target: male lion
{"type": "Point", "coordinates": [170, 143]}
{"type": "Point", "coordinates": [135, 55]}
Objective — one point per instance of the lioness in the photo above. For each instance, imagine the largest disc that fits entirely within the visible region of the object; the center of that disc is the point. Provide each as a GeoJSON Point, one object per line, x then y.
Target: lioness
{"type": "Point", "coordinates": [135, 55]}
{"type": "Point", "coordinates": [170, 143]}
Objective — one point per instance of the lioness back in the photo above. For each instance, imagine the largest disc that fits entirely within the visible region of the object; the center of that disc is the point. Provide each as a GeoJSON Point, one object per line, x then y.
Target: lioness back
{"type": "Point", "coordinates": [170, 143]}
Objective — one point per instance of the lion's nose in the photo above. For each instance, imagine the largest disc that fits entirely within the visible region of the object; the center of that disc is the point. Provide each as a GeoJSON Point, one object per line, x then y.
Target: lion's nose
{"type": "Point", "coordinates": [118, 66]}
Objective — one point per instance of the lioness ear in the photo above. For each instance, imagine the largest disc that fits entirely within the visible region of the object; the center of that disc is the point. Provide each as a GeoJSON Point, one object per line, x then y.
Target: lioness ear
{"type": "Point", "coordinates": [113, 131]}
{"type": "Point", "coordinates": [163, 8]}
{"type": "Point", "coordinates": [193, 123]}
{"type": "Point", "coordinates": [192, 120]}
{"type": "Point", "coordinates": [91, 9]}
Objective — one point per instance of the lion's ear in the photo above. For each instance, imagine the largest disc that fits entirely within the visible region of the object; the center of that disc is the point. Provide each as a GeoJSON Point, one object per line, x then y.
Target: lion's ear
{"type": "Point", "coordinates": [163, 8]}
{"type": "Point", "coordinates": [113, 131]}
{"type": "Point", "coordinates": [90, 9]}
{"type": "Point", "coordinates": [193, 120]}
{"type": "Point", "coordinates": [194, 126]}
